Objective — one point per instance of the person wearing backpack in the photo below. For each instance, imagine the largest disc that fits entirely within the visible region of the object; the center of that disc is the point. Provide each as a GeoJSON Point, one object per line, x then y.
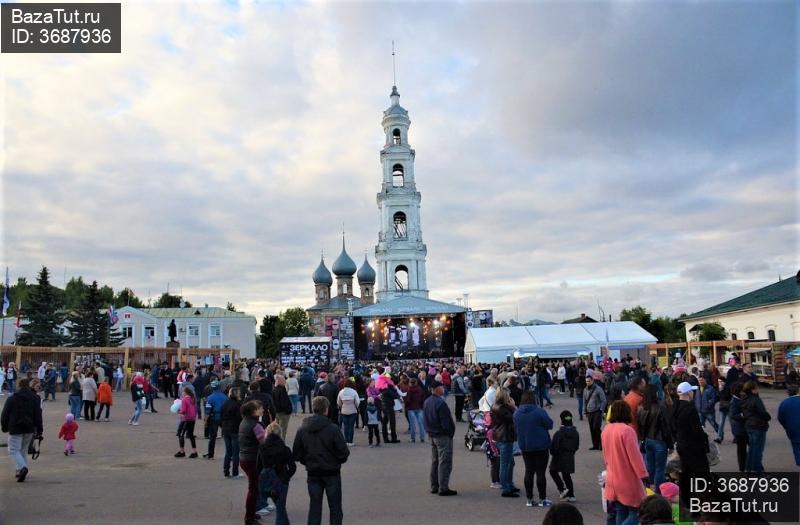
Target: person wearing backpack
{"type": "Point", "coordinates": [213, 411]}
{"type": "Point", "coordinates": [277, 469]}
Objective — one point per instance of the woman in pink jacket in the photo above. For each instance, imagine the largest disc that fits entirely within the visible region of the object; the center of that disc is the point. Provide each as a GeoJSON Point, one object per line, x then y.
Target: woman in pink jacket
{"type": "Point", "coordinates": [188, 412]}
{"type": "Point", "coordinates": [626, 474]}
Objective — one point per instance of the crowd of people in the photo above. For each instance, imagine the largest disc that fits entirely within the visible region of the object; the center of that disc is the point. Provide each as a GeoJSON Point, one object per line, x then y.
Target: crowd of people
{"type": "Point", "coordinates": [648, 423]}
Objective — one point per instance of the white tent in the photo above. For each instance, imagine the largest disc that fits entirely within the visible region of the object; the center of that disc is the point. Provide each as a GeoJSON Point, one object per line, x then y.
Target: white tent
{"type": "Point", "coordinates": [496, 345]}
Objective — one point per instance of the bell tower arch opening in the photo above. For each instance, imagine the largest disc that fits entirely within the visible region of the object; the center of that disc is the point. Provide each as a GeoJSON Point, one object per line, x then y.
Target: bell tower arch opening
{"type": "Point", "coordinates": [398, 176]}
{"type": "Point", "coordinates": [400, 226]}
{"type": "Point", "coordinates": [401, 278]}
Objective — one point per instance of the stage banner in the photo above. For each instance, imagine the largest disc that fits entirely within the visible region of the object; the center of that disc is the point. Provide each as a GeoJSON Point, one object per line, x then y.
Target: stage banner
{"type": "Point", "coordinates": [340, 330]}
{"type": "Point", "coordinates": [302, 352]}
{"type": "Point", "coordinates": [347, 349]}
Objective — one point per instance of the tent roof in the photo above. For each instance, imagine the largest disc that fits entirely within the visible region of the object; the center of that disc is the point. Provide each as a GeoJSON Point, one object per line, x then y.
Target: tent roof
{"type": "Point", "coordinates": [579, 336]}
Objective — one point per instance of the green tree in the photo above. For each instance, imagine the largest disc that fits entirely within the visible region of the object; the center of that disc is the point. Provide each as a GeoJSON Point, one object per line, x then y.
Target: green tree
{"type": "Point", "coordinates": [711, 332]}
{"type": "Point", "coordinates": [270, 334]}
{"type": "Point", "coordinates": [89, 321]}
{"type": "Point", "coordinates": [43, 314]}
{"type": "Point", "coordinates": [171, 301]}
{"type": "Point", "coordinates": [639, 315]}
{"type": "Point", "coordinates": [668, 330]}
{"type": "Point", "coordinates": [126, 297]}
{"type": "Point", "coordinates": [106, 296]}
{"type": "Point", "coordinates": [18, 294]}
{"type": "Point", "coordinates": [74, 292]}
{"type": "Point", "coordinates": [294, 322]}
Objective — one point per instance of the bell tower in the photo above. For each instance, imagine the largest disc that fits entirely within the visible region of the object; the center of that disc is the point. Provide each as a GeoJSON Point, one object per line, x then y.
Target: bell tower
{"type": "Point", "coordinates": [400, 253]}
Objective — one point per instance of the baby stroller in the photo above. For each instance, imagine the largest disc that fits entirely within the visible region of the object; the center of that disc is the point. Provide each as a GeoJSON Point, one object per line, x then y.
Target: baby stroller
{"type": "Point", "coordinates": [476, 432]}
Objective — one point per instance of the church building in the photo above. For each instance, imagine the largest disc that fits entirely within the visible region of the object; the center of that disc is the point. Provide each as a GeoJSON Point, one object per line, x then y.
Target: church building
{"type": "Point", "coordinates": [392, 316]}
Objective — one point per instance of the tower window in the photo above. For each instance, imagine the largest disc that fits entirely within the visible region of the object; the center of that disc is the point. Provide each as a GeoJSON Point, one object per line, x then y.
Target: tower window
{"type": "Point", "coordinates": [398, 177]}
{"type": "Point", "coordinates": [366, 292]}
{"type": "Point", "coordinates": [401, 278]}
{"type": "Point", "coordinates": [400, 231]}
{"type": "Point", "coordinates": [396, 136]}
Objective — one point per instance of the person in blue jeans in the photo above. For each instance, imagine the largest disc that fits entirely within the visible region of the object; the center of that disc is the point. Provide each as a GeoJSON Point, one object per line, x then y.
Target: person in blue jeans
{"type": "Point", "coordinates": [231, 418]}
{"type": "Point", "coordinates": [756, 423]}
{"type": "Point", "coordinates": [653, 424]}
{"type": "Point", "coordinates": [505, 435]}
{"type": "Point", "coordinates": [75, 395]}
{"type": "Point", "coordinates": [278, 467]}
{"type": "Point", "coordinates": [414, 398]}
{"type": "Point", "coordinates": [320, 446]}
{"type": "Point", "coordinates": [724, 395]}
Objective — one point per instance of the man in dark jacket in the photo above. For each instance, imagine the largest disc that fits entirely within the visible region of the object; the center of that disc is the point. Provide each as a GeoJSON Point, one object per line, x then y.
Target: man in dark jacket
{"type": "Point", "coordinates": [22, 420]}
{"type": "Point", "coordinates": [388, 416]}
{"type": "Point", "coordinates": [306, 382]}
{"type": "Point", "coordinates": [265, 382]}
{"type": "Point", "coordinates": [441, 428]}
{"type": "Point", "coordinates": [330, 391]}
{"type": "Point", "coordinates": [320, 446]}
{"type": "Point", "coordinates": [690, 440]}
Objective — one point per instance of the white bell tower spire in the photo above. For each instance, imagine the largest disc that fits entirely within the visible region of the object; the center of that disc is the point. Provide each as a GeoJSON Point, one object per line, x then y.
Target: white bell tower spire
{"type": "Point", "coordinates": [400, 253]}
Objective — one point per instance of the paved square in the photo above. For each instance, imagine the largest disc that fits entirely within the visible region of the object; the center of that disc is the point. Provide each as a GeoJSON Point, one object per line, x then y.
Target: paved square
{"type": "Point", "coordinates": [124, 474]}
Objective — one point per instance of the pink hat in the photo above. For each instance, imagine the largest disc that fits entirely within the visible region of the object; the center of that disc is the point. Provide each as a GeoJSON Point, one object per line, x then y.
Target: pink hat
{"type": "Point", "coordinates": [669, 490]}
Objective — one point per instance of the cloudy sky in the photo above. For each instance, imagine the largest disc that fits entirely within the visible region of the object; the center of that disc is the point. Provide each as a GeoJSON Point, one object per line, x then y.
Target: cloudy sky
{"type": "Point", "coordinates": [567, 154]}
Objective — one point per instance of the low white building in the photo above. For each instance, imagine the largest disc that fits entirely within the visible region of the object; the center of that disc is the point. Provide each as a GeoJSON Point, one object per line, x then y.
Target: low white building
{"type": "Point", "coordinates": [203, 327]}
{"type": "Point", "coordinates": [771, 313]}
{"type": "Point", "coordinates": [198, 327]}
{"type": "Point", "coordinates": [557, 341]}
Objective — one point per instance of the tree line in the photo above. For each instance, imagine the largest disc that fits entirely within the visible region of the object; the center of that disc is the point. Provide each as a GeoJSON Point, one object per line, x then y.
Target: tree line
{"type": "Point", "coordinates": [290, 323]}
{"type": "Point", "coordinates": [46, 307]}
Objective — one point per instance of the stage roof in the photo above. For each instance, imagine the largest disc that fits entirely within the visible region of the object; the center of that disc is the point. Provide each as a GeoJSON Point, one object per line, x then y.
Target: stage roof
{"type": "Point", "coordinates": [408, 306]}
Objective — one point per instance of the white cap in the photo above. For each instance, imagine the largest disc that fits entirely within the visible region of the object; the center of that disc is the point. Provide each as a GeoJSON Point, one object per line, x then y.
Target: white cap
{"type": "Point", "coordinates": [685, 388]}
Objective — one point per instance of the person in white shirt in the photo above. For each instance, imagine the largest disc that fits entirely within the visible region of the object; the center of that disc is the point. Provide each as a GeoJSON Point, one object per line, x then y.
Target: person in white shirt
{"type": "Point", "coordinates": [562, 376]}
{"type": "Point", "coordinates": [348, 402]}
{"type": "Point", "coordinates": [487, 401]}
{"type": "Point", "coordinates": [42, 370]}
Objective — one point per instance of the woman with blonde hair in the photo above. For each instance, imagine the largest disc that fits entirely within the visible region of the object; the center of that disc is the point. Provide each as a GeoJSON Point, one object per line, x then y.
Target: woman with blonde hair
{"type": "Point", "coordinates": [505, 434]}
{"type": "Point", "coordinates": [278, 467]}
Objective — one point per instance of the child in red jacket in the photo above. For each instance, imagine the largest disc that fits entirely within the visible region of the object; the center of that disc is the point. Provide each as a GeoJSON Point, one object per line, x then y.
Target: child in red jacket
{"type": "Point", "coordinates": [67, 432]}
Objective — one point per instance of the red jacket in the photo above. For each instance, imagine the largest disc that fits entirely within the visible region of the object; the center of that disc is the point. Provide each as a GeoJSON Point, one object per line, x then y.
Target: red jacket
{"type": "Point", "coordinates": [68, 430]}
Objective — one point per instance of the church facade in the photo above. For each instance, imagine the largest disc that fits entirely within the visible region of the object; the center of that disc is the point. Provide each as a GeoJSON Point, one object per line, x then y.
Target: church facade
{"type": "Point", "coordinates": [392, 313]}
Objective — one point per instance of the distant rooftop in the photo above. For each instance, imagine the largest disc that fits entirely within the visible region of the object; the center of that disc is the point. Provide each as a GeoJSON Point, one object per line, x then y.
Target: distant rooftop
{"type": "Point", "coordinates": [193, 312]}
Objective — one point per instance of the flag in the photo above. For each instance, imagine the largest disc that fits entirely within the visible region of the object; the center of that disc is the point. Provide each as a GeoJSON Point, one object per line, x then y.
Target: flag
{"type": "Point", "coordinates": [6, 302]}
{"type": "Point", "coordinates": [112, 316]}
{"type": "Point", "coordinates": [18, 323]}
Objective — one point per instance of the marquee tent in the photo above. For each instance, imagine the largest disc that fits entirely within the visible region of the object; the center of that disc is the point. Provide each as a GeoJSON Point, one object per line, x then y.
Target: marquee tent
{"type": "Point", "coordinates": [558, 341]}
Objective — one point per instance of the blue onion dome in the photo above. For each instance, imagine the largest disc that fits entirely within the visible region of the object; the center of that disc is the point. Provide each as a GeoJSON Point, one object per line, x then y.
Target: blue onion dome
{"type": "Point", "coordinates": [322, 275]}
{"type": "Point", "coordinates": [344, 265]}
{"type": "Point", "coordinates": [366, 275]}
